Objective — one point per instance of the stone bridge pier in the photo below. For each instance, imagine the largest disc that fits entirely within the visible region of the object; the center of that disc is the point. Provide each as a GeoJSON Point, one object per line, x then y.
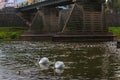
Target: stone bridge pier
{"type": "Point", "coordinates": [43, 21]}
{"type": "Point", "coordinates": [84, 21]}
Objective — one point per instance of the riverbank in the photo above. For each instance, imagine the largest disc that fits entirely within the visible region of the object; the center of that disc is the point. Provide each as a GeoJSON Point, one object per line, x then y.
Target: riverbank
{"type": "Point", "coordinates": [11, 33]}
{"type": "Point", "coordinates": [115, 31]}
{"type": "Point", "coordinates": [14, 33]}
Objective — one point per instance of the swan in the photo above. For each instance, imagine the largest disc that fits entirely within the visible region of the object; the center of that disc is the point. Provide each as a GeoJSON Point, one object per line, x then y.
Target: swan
{"type": "Point", "coordinates": [44, 60]}
{"type": "Point", "coordinates": [59, 65]}
{"type": "Point", "coordinates": [44, 63]}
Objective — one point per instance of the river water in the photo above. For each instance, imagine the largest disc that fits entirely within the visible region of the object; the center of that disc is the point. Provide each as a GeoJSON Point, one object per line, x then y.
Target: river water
{"type": "Point", "coordinates": [83, 61]}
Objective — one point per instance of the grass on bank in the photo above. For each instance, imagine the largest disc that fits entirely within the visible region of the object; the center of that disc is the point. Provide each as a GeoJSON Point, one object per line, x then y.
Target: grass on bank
{"type": "Point", "coordinates": [11, 33]}
{"type": "Point", "coordinates": [115, 31]}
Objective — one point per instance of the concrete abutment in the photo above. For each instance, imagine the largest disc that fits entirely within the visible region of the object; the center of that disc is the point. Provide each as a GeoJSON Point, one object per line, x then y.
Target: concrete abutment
{"type": "Point", "coordinates": [86, 20]}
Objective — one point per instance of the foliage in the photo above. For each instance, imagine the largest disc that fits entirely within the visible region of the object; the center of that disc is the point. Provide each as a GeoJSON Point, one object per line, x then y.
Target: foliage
{"type": "Point", "coordinates": [15, 35]}
{"type": "Point", "coordinates": [114, 5]}
{"type": "Point", "coordinates": [10, 33]}
{"type": "Point", "coordinates": [115, 30]}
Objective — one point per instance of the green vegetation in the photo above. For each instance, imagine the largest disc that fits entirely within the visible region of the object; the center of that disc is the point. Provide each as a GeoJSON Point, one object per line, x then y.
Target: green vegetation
{"type": "Point", "coordinates": [11, 33]}
{"type": "Point", "coordinates": [115, 30]}
{"type": "Point", "coordinates": [114, 5]}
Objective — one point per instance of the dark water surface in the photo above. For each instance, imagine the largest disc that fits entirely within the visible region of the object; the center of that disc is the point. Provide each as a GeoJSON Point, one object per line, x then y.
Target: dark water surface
{"type": "Point", "coordinates": [83, 61]}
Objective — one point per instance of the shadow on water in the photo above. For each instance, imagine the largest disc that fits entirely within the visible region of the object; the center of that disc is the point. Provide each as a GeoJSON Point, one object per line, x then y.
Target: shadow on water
{"type": "Point", "coordinates": [83, 61]}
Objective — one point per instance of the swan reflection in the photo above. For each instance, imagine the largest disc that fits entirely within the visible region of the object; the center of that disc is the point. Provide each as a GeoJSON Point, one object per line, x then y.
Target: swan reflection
{"type": "Point", "coordinates": [59, 71]}
{"type": "Point", "coordinates": [44, 66]}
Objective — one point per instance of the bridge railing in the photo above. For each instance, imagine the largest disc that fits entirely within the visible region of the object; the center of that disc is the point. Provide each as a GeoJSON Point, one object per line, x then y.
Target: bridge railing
{"type": "Point", "coordinates": [30, 2]}
{"type": "Point", "coordinates": [43, 2]}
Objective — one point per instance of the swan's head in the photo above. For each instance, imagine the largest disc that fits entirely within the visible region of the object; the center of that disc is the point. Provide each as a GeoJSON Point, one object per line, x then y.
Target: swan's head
{"type": "Point", "coordinates": [59, 65]}
{"type": "Point", "coordinates": [44, 60]}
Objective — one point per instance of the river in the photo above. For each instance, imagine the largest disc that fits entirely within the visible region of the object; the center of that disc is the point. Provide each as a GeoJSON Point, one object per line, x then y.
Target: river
{"type": "Point", "coordinates": [83, 61]}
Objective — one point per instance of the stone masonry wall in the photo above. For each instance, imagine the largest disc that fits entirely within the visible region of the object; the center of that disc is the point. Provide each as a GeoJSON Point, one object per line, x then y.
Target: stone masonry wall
{"type": "Point", "coordinates": [9, 18]}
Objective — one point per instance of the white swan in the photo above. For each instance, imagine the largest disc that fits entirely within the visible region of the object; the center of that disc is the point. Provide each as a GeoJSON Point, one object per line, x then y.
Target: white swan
{"type": "Point", "coordinates": [44, 63]}
{"type": "Point", "coordinates": [44, 60]}
{"type": "Point", "coordinates": [59, 65]}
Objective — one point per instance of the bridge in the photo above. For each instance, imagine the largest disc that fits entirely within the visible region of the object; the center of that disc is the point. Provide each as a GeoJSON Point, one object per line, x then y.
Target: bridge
{"type": "Point", "coordinates": [47, 3]}
{"type": "Point", "coordinates": [52, 3]}
{"type": "Point", "coordinates": [85, 21]}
